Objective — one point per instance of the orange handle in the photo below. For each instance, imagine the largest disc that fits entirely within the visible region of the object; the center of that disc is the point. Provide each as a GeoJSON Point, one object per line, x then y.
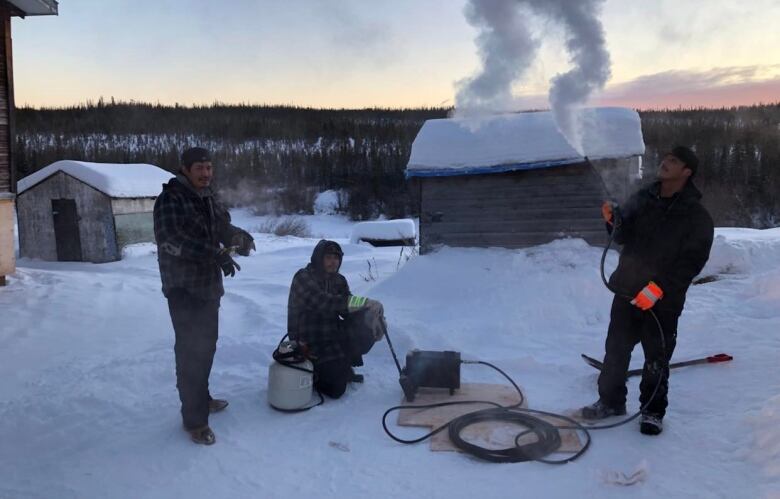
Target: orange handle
{"type": "Point", "coordinates": [721, 357]}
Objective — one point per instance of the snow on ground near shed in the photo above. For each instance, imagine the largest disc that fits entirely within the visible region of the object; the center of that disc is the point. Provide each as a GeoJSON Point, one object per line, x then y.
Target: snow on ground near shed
{"type": "Point", "coordinates": [89, 408]}
{"type": "Point", "coordinates": [461, 144]}
{"type": "Point", "coordinates": [117, 180]}
{"type": "Point", "coordinates": [320, 225]}
{"type": "Point", "coordinates": [326, 203]}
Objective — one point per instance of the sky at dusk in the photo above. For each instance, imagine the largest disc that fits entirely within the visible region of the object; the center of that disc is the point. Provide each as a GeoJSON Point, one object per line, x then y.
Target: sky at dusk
{"type": "Point", "coordinates": [400, 53]}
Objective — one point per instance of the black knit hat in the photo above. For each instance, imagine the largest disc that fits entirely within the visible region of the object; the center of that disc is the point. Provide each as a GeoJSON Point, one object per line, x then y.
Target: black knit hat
{"type": "Point", "coordinates": [325, 247]}
{"type": "Point", "coordinates": [195, 155]}
{"type": "Point", "coordinates": [687, 156]}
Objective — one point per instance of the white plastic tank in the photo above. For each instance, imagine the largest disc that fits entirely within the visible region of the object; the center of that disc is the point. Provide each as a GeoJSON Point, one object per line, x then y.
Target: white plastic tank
{"type": "Point", "coordinates": [290, 388]}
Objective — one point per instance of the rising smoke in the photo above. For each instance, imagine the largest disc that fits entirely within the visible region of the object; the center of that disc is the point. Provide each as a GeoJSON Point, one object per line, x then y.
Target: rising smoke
{"type": "Point", "coordinates": [508, 47]}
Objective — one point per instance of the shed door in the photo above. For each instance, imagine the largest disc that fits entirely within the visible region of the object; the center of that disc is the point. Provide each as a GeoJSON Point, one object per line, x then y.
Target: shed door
{"type": "Point", "coordinates": [66, 230]}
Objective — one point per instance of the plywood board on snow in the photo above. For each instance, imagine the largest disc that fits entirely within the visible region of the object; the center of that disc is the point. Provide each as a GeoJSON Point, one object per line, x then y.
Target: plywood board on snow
{"type": "Point", "coordinates": [490, 434]}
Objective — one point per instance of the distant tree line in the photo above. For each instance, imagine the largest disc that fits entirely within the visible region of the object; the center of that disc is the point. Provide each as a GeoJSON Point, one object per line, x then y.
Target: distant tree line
{"type": "Point", "coordinates": [739, 151]}
{"type": "Point", "coordinates": [279, 157]}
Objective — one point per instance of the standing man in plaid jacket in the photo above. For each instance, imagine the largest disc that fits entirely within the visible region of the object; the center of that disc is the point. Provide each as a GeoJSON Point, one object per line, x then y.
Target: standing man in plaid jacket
{"type": "Point", "coordinates": [194, 241]}
{"type": "Point", "coordinates": [336, 327]}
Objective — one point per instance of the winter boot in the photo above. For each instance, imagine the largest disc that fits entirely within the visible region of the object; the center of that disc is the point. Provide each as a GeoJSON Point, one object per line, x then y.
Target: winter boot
{"type": "Point", "coordinates": [600, 410]}
{"type": "Point", "coordinates": [216, 405]}
{"type": "Point", "coordinates": [651, 424]}
{"type": "Point", "coordinates": [202, 435]}
{"type": "Point", "coordinates": [355, 377]}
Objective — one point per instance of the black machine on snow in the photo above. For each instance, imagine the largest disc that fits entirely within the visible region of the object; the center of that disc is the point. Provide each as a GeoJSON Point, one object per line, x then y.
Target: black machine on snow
{"type": "Point", "coordinates": [432, 369]}
{"type": "Point", "coordinates": [427, 369]}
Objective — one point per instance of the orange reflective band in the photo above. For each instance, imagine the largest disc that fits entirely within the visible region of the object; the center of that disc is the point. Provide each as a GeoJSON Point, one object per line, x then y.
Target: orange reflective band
{"type": "Point", "coordinates": [655, 289]}
{"type": "Point", "coordinates": [647, 297]}
{"type": "Point", "coordinates": [643, 301]}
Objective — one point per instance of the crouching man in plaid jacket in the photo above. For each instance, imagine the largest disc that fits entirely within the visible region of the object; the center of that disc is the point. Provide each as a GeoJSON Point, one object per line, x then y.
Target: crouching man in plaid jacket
{"type": "Point", "coordinates": [194, 241]}
{"type": "Point", "coordinates": [337, 327]}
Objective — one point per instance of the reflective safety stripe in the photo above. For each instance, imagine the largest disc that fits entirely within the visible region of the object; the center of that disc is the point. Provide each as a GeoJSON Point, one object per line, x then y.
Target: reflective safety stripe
{"type": "Point", "coordinates": [356, 301]}
{"type": "Point", "coordinates": [655, 290]}
{"type": "Point", "coordinates": [649, 295]}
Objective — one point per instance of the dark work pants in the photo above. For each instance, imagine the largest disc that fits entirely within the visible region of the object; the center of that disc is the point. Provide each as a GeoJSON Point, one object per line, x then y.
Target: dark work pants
{"type": "Point", "coordinates": [628, 326]}
{"type": "Point", "coordinates": [332, 376]}
{"type": "Point", "coordinates": [195, 322]}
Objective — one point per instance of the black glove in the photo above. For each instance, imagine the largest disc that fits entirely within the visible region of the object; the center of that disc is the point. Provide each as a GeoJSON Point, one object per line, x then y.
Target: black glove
{"type": "Point", "coordinates": [617, 216]}
{"type": "Point", "coordinates": [226, 263]}
{"type": "Point", "coordinates": [243, 242]}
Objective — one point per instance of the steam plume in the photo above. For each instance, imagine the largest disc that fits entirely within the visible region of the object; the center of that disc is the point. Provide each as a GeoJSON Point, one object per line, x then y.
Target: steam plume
{"type": "Point", "coordinates": [508, 47]}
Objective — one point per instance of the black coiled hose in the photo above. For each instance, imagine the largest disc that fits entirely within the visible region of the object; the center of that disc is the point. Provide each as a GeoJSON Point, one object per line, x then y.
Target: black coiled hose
{"type": "Point", "coordinates": [548, 438]}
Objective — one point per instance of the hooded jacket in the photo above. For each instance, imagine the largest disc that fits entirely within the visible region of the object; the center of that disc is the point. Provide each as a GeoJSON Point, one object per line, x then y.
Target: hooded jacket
{"type": "Point", "coordinates": [317, 306]}
{"type": "Point", "coordinates": [666, 240]}
{"type": "Point", "coordinates": [189, 227]}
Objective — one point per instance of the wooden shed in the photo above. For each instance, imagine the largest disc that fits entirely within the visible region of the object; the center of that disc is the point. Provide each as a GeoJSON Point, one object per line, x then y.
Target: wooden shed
{"type": "Point", "coordinates": [515, 181]}
{"type": "Point", "coordinates": [9, 9]}
{"type": "Point", "coordinates": [79, 211]}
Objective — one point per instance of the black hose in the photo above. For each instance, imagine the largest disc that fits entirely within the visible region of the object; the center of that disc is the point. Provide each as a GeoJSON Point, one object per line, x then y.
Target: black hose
{"type": "Point", "coordinates": [616, 225]}
{"type": "Point", "coordinates": [548, 438]}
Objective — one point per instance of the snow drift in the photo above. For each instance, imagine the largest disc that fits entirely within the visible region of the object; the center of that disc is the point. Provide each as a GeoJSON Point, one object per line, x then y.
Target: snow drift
{"type": "Point", "coordinates": [89, 407]}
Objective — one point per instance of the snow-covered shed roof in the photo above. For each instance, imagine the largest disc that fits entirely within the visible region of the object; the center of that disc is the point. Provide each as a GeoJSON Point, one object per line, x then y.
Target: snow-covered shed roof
{"type": "Point", "coordinates": [131, 180]}
{"type": "Point", "coordinates": [520, 141]}
{"type": "Point", "coordinates": [384, 230]}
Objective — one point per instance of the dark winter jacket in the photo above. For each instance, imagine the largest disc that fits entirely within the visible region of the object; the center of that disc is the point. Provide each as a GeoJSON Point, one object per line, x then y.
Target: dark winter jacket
{"type": "Point", "coordinates": [317, 306]}
{"type": "Point", "coordinates": [666, 240]}
{"type": "Point", "coordinates": [189, 227]}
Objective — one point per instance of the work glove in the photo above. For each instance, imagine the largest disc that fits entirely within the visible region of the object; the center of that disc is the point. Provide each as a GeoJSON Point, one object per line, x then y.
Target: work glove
{"type": "Point", "coordinates": [243, 243]}
{"type": "Point", "coordinates": [647, 297]}
{"type": "Point", "coordinates": [610, 211]}
{"type": "Point", "coordinates": [380, 330]}
{"type": "Point", "coordinates": [226, 262]}
{"type": "Point", "coordinates": [356, 303]}
{"type": "Point", "coordinates": [376, 312]}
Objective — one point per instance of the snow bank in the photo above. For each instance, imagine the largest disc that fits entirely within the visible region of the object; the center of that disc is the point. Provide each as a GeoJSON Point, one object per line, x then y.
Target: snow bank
{"type": "Point", "coordinates": [743, 251]}
{"type": "Point", "coordinates": [506, 142]}
{"type": "Point", "coordinates": [139, 250]}
{"type": "Point", "coordinates": [326, 203]}
{"type": "Point", "coordinates": [132, 180]}
{"type": "Point", "coordinates": [321, 226]}
{"type": "Point", "coordinates": [766, 437]}
{"type": "Point", "coordinates": [389, 230]}
{"type": "Point", "coordinates": [508, 301]}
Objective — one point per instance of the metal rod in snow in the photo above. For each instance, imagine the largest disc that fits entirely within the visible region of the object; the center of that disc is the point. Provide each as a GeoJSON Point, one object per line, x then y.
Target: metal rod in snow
{"type": "Point", "coordinates": [392, 351]}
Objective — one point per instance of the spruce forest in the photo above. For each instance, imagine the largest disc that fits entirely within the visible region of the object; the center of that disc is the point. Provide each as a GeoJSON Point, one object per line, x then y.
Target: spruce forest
{"type": "Point", "coordinates": [277, 158]}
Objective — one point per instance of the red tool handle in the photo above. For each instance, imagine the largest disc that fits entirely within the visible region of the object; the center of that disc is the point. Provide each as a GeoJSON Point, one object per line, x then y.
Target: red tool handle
{"type": "Point", "coordinates": [721, 357]}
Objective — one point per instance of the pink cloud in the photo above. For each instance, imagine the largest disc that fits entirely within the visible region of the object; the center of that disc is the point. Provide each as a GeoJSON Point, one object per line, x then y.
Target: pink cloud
{"type": "Point", "coordinates": [719, 87]}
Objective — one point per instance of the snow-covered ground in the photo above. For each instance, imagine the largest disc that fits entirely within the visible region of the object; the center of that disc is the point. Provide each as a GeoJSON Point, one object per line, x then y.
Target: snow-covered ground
{"type": "Point", "coordinates": [89, 408]}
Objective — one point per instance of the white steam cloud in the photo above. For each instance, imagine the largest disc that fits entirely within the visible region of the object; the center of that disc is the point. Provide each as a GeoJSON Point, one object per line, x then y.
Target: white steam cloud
{"type": "Point", "coordinates": [508, 47]}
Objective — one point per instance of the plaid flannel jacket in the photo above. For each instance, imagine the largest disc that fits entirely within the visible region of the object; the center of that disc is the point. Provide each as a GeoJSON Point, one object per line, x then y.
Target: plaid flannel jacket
{"type": "Point", "coordinates": [315, 310]}
{"type": "Point", "coordinates": [188, 229]}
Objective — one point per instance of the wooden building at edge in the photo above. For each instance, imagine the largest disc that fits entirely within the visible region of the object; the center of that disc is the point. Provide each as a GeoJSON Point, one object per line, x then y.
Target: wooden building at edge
{"type": "Point", "coordinates": [9, 9]}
